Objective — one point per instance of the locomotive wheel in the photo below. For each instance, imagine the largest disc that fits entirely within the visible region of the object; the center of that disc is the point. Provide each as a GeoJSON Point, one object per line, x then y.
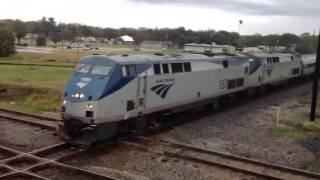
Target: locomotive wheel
{"type": "Point", "coordinates": [123, 127]}
{"type": "Point", "coordinates": [140, 126]}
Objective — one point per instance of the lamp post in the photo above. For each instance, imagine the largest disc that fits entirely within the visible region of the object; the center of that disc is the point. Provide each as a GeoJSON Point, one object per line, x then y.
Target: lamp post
{"type": "Point", "coordinates": [240, 23]}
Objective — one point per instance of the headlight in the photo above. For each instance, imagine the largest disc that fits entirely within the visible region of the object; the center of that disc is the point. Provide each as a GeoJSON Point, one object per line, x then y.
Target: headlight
{"type": "Point", "coordinates": [77, 95]}
{"type": "Point", "coordinates": [89, 106]}
{"type": "Point", "coordinates": [81, 96]}
{"type": "Point", "coordinates": [64, 102]}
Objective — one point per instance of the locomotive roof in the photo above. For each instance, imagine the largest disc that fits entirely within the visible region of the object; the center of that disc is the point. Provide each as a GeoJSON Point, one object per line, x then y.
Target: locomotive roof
{"type": "Point", "coordinates": [150, 59]}
{"type": "Point", "coordinates": [308, 58]}
{"type": "Point", "coordinates": [265, 54]}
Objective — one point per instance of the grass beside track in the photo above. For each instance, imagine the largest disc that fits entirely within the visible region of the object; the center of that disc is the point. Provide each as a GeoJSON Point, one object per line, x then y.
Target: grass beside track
{"type": "Point", "coordinates": [29, 99]}
{"type": "Point", "coordinates": [35, 76]}
{"type": "Point", "coordinates": [63, 57]}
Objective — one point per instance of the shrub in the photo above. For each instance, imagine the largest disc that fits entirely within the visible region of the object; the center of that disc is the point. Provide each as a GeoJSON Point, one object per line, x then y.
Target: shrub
{"type": "Point", "coordinates": [41, 41]}
{"type": "Point", "coordinates": [6, 43]}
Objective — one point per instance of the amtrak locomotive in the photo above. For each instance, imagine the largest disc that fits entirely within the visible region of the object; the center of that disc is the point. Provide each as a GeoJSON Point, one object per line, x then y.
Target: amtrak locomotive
{"type": "Point", "coordinates": [107, 95]}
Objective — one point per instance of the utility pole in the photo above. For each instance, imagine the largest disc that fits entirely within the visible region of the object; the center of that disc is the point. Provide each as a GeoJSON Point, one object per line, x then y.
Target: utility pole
{"type": "Point", "coordinates": [211, 41]}
{"type": "Point", "coordinates": [61, 35]}
{"type": "Point", "coordinates": [78, 32]}
{"type": "Point", "coordinates": [315, 84]}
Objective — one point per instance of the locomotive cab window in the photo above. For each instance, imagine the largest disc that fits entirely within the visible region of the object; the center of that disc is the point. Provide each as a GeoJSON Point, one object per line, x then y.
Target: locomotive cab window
{"type": "Point", "coordinates": [269, 60]}
{"type": "Point", "coordinates": [275, 59]}
{"type": "Point", "coordinates": [187, 67]}
{"type": "Point", "coordinates": [295, 71]}
{"type": "Point", "coordinates": [101, 70]}
{"type": "Point", "coordinates": [176, 67]}
{"type": "Point", "coordinates": [156, 69]}
{"type": "Point", "coordinates": [165, 68]}
{"type": "Point", "coordinates": [129, 71]}
{"type": "Point", "coordinates": [83, 68]}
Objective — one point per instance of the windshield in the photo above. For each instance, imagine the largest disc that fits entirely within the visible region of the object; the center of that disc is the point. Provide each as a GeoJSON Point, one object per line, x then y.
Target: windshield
{"type": "Point", "coordinates": [83, 68]}
{"type": "Point", "coordinates": [101, 70]}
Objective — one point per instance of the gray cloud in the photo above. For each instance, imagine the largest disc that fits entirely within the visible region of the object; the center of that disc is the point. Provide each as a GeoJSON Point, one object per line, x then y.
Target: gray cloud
{"type": "Point", "coordinates": [263, 7]}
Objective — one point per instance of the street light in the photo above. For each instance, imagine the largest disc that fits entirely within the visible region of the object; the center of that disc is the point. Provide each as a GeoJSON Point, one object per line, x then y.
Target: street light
{"type": "Point", "coordinates": [240, 23]}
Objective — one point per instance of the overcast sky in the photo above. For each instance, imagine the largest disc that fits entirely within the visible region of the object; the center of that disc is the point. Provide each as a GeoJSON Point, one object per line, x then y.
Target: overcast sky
{"type": "Point", "coordinates": [259, 16]}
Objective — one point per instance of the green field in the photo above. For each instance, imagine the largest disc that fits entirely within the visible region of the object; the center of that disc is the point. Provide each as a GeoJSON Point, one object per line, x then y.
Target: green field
{"type": "Point", "coordinates": [63, 57]}
{"type": "Point", "coordinates": [43, 85]}
{"type": "Point", "coordinates": [32, 88]}
{"type": "Point", "coordinates": [34, 76]}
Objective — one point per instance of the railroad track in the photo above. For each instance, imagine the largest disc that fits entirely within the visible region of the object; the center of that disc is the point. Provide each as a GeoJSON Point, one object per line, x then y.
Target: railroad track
{"type": "Point", "coordinates": [33, 164]}
{"type": "Point", "coordinates": [43, 164]}
{"type": "Point", "coordinates": [218, 159]}
{"type": "Point", "coordinates": [28, 118]}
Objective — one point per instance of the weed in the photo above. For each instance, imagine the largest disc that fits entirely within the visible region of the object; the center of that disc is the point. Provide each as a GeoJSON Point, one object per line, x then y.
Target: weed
{"type": "Point", "coordinates": [311, 126]}
{"type": "Point", "coordinates": [286, 132]}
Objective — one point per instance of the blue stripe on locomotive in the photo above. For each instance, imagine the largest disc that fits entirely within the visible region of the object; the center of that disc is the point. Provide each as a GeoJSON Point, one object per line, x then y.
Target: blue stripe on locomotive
{"type": "Point", "coordinates": [99, 86]}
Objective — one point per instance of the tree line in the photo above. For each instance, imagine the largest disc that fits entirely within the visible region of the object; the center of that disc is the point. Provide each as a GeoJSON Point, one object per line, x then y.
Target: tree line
{"type": "Point", "coordinates": [48, 28]}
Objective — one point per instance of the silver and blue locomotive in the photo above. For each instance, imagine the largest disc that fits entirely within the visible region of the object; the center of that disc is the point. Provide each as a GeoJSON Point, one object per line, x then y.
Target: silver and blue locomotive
{"type": "Point", "coordinates": [106, 95]}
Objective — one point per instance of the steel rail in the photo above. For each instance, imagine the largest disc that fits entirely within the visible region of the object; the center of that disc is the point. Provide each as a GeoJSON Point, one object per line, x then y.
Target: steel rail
{"type": "Point", "coordinates": [42, 163]}
{"type": "Point", "coordinates": [181, 151]}
{"type": "Point", "coordinates": [36, 116]}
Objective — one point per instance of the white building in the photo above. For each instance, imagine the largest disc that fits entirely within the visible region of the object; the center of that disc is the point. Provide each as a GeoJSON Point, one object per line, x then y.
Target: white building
{"type": "Point", "coordinates": [147, 44]}
{"type": "Point", "coordinates": [125, 39]}
{"type": "Point", "coordinates": [207, 48]}
{"type": "Point", "coordinates": [87, 39]}
{"type": "Point", "coordinates": [264, 49]}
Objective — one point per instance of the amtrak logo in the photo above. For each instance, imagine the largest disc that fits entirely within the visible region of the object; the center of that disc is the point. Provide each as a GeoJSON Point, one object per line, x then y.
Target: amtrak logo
{"type": "Point", "coordinates": [161, 89]}
{"type": "Point", "coordinates": [82, 84]}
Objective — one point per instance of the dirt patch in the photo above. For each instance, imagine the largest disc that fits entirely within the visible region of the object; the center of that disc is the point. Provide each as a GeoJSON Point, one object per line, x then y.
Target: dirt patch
{"type": "Point", "coordinates": [5, 154]}
{"type": "Point", "coordinates": [124, 162]}
{"type": "Point", "coordinates": [3, 170]}
{"type": "Point", "coordinates": [24, 137]}
{"type": "Point", "coordinates": [57, 173]}
{"type": "Point", "coordinates": [245, 130]}
{"type": "Point", "coordinates": [22, 162]}
{"type": "Point", "coordinates": [20, 176]}
{"type": "Point", "coordinates": [312, 144]}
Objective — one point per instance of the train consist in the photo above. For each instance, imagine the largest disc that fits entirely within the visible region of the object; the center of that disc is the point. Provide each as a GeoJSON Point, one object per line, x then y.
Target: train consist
{"type": "Point", "coordinates": [107, 95]}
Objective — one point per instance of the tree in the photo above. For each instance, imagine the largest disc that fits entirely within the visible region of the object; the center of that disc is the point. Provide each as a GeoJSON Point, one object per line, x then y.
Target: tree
{"type": "Point", "coordinates": [44, 26]}
{"type": "Point", "coordinates": [41, 41]}
{"type": "Point", "coordinates": [254, 40]}
{"type": "Point", "coordinates": [56, 37]}
{"type": "Point", "coordinates": [6, 43]}
{"type": "Point", "coordinates": [288, 39]}
{"type": "Point", "coordinates": [20, 29]}
{"type": "Point", "coordinates": [308, 44]}
{"type": "Point", "coordinates": [271, 40]}
{"type": "Point", "coordinates": [222, 37]}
